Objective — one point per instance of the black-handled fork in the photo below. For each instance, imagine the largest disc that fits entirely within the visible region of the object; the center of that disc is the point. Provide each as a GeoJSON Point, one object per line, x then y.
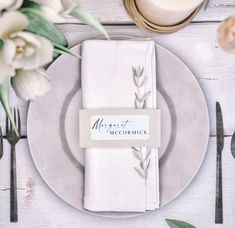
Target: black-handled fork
{"type": "Point", "coordinates": [13, 139]}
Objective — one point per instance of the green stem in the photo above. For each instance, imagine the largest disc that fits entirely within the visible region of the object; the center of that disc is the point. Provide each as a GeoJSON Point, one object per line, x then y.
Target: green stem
{"type": "Point", "coordinates": [4, 98]}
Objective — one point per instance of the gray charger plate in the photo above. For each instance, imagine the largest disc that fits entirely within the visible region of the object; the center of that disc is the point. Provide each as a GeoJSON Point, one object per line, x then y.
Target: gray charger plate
{"type": "Point", "coordinates": [53, 130]}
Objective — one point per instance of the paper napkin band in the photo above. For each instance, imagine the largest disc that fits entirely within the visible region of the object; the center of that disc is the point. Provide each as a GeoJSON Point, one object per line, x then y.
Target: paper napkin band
{"type": "Point", "coordinates": [119, 128]}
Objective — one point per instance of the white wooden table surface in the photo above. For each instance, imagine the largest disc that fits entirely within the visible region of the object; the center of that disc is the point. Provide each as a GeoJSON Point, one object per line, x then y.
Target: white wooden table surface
{"type": "Point", "coordinates": [215, 70]}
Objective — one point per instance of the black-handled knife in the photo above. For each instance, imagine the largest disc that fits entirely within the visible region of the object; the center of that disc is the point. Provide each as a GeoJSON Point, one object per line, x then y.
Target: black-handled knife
{"type": "Point", "coordinates": [220, 146]}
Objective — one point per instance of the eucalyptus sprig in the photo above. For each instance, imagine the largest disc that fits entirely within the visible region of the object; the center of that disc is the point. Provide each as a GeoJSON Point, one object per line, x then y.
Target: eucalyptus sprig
{"type": "Point", "coordinates": [178, 224]}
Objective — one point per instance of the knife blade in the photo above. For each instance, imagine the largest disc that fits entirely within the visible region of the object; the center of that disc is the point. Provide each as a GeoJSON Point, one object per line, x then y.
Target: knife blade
{"type": "Point", "coordinates": [1, 143]}
{"type": "Point", "coordinates": [219, 128]}
{"type": "Point", "coordinates": [220, 146]}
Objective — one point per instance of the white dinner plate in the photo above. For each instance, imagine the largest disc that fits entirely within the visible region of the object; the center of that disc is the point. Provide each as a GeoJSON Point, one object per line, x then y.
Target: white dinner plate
{"type": "Point", "coordinates": [53, 129]}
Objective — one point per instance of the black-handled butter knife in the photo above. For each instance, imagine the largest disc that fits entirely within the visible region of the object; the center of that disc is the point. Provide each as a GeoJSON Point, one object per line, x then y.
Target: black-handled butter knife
{"type": "Point", "coordinates": [220, 146]}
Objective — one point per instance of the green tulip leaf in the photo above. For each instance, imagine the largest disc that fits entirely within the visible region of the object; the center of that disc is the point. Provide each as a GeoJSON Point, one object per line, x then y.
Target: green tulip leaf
{"type": "Point", "coordinates": [84, 17]}
{"type": "Point", "coordinates": [4, 98]}
{"type": "Point", "coordinates": [63, 50]}
{"type": "Point", "coordinates": [30, 4]}
{"type": "Point", "coordinates": [178, 224]}
{"type": "Point", "coordinates": [1, 44]}
{"type": "Point", "coordinates": [39, 25]}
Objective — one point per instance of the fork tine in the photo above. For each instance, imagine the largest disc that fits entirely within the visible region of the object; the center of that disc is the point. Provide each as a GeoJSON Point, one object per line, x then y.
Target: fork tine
{"type": "Point", "coordinates": [10, 121]}
{"type": "Point", "coordinates": [7, 125]}
{"type": "Point", "coordinates": [14, 111]}
{"type": "Point", "coordinates": [1, 143]}
{"type": "Point", "coordinates": [19, 124]}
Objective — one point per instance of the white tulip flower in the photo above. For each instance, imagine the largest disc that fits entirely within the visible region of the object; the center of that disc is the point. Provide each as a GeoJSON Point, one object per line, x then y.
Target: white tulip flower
{"type": "Point", "coordinates": [55, 10]}
{"type": "Point", "coordinates": [9, 5]}
{"type": "Point", "coordinates": [5, 70]}
{"type": "Point", "coordinates": [21, 50]}
{"type": "Point", "coordinates": [30, 83]}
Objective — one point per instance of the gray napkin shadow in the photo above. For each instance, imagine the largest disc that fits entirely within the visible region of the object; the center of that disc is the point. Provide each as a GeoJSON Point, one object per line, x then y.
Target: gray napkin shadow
{"type": "Point", "coordinates": [63, 138]}
{"type": "Point", "coordinates": [172, 109]}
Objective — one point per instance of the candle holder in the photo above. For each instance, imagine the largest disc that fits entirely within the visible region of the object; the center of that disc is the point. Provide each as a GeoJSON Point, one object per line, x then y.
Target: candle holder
{"type": "Point", "coordinates": [144, 23]}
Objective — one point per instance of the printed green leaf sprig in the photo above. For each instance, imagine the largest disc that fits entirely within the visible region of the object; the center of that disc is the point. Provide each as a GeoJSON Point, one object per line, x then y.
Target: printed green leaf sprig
{"type": "Point", "coordinates": [141, 154]}
{"type": "Point", "coordinates": [29, 40]}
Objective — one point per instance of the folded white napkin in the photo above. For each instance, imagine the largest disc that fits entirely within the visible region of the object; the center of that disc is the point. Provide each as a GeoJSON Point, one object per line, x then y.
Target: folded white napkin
{"type": "Point", "coordinates": [112, 181]}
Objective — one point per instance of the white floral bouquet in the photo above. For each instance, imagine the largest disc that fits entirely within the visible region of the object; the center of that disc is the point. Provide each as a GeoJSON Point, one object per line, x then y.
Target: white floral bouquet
{"type": "Point", "coordinates": [29, 39]}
